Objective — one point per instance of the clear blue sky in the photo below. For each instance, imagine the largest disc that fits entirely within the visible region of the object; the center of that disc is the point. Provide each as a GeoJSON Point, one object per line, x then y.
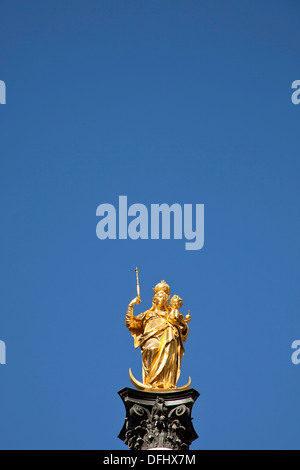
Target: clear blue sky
{"type": "Point", "coordinates": [162, 101]}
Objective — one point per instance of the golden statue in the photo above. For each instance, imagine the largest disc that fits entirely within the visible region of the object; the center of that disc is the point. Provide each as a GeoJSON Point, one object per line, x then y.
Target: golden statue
{"type": "Point", "coordinates": [160, 333]}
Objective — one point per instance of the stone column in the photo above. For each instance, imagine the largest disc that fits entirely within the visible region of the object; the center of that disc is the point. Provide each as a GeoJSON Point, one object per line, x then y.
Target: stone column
{"type": "Point", "coordinates": [158, 420]}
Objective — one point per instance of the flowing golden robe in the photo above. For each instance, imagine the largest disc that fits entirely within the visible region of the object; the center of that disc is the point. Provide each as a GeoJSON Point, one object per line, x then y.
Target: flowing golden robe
{"type": "Point", "coordinates": [160, 337]}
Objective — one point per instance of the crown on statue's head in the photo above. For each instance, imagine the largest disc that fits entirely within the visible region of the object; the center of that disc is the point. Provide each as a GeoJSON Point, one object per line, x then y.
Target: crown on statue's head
{"type": "Point", "coordinates": [162, 286]}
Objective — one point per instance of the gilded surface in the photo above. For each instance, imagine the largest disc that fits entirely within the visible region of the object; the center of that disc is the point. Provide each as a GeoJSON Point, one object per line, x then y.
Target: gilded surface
{"type": "Point", "coordinates": [160, 333]}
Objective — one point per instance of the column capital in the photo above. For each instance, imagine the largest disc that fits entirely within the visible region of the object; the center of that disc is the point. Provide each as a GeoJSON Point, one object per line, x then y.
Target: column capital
{"type": "Point", "coordinates": [158, 420]}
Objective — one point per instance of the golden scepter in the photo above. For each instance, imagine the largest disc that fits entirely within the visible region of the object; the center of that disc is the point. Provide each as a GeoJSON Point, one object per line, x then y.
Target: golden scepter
{"type": "Point", "coordinates": [138, 284]}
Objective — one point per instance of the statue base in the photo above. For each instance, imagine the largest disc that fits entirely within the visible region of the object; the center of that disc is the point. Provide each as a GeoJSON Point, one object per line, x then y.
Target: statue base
{"type": "Point", "coordinates": [146, 388]}
{"type": "Point", "coordinates": [156, 420]}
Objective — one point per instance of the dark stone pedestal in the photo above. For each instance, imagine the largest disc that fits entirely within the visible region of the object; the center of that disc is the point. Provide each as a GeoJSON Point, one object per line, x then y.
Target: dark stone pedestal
{"type": "Point", "coordinates": [158, 420]}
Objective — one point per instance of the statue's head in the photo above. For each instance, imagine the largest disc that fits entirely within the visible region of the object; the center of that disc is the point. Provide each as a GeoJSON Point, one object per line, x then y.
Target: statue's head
{"type": "Point", "coordinates": [161, 299]}
{"type": "Point", "coordinates": [162, 286]}
{"type": "Point", "coordinates": [176, 302]}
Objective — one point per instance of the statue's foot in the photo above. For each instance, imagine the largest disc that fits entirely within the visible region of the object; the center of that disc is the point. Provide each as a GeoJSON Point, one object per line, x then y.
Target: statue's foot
{"type": "Point", "coordinates": [160, 385]}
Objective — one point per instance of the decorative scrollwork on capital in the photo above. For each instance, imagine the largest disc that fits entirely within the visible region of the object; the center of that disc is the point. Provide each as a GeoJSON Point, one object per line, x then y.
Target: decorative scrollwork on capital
{"type": "Point", "coordinates": [180, 411]}
{"type": "Point", "coordinates": [139, 412]}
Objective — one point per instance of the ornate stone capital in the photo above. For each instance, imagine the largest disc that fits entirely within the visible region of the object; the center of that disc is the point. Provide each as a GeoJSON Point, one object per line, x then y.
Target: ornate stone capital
{"type": "Point", "coordinates": [158, 420]}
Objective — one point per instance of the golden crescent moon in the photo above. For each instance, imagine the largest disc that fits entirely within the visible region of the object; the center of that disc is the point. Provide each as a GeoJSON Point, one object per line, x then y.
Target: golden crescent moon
{"type": "Point", "coordinates": [146, 388]}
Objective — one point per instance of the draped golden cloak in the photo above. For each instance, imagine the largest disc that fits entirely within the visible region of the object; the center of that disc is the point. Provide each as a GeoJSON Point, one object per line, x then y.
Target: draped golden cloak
{"type": "Point", "coordinates": [160, 337]}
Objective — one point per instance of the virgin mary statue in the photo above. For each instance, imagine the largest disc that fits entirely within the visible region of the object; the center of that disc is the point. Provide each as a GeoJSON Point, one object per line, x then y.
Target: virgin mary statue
{"type": "Point", "coordinates": [160, 333]}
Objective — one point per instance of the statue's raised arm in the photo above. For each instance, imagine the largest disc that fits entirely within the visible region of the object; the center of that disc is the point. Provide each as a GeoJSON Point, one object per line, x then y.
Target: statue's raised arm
{"type": "Point", "coordinates": [129, 318]}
